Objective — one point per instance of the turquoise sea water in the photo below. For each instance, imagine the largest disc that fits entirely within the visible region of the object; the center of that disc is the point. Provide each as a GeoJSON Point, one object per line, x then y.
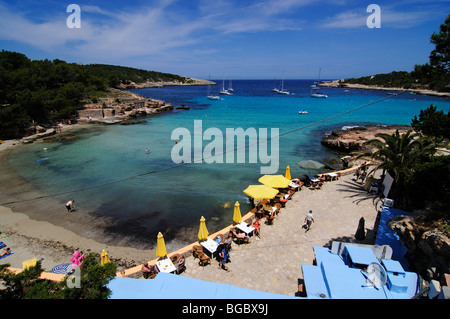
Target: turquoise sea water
{"type": "Point", "coordinates": [172, 201]}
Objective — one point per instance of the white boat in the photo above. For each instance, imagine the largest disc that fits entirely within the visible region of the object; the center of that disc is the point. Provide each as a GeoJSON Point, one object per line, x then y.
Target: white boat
{"type": "Point", "coordinates": [314, 89]}
{"type": "Point", "coordinates": [282, 90]}
{"type": "Point", "coordinates": [224, 92]}
{"type": "Point", "coordinates": [230, 88]}
{"type": "Point", "coordinates": [212, 96]}
{"type": "Point", "coordinates": [303, 112]}
{"type": "Point", "coordinates": [322, 95]}
{"type": "Point", "coordinates": [274, 88]}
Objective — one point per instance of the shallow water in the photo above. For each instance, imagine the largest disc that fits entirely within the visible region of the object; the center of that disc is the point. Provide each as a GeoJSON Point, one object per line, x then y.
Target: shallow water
{"type": "Point", "coordinates": [171, 201]}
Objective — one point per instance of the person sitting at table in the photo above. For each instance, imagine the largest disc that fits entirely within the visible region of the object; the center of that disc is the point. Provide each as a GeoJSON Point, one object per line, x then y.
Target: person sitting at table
{"type": "Point", "coordinates": [228, 241]}
{"type": "Point", "coordinates": [289, 194]}
{"type": "Point", "coordinates": [180, 265]}
{"type": "Point", "coordinates": [322, 178]}
{"type": "Point", "coordinates": [148, 271]}
{"type": "Point", "coordinates": [298, 182]}
{"type": "Point", "coordinates": [306, 180]}
{"type": "Point", "coordinates": [270, 218]}
{"type": "Point", "coordinates": [240, 236]}
{"type": "Point", "coordinates": [256, 225]}
{"type": "Point", "coordinates": [260, 211]}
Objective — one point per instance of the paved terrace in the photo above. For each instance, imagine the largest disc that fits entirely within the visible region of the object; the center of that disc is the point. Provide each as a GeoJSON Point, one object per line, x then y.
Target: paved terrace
{"type": "Point", "coordinates": [273, 263]}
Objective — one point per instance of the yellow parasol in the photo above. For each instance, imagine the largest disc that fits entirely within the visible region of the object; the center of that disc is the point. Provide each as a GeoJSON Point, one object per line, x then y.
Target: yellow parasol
{"type": "Point", "coordinates": [29, 263]}
{"type": "Point", "coordinates": [104, 258]}
{"type": "Point", "coordinates": [237, 217]}
{"type": "Point", "coordinates": [202, 232]}
{"type": "Point", "coordinates": [288, 173]}
{"type": "Point", "coordinates": [260, 192]}
{"type": "Point", "coordinates": [275, 181]}
{"type": "Point", "coordinates": [161, 246]}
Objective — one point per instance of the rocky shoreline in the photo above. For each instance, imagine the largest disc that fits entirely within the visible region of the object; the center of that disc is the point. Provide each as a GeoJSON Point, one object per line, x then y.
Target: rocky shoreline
{"type": "Point", "coordinates": [151, 84]}
{"type": "Point", "coordinates": [120, 106]}
{"type": "Point", "coordinates": [353, 139]}
{"type": "Point", "coordinates": [343, 84]}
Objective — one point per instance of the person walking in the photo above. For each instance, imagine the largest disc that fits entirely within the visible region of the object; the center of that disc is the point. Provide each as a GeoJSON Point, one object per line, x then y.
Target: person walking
{"type": "Point", "coordinates": [223, 259]}
{"type": "Point", "coordinates": [309, 219]}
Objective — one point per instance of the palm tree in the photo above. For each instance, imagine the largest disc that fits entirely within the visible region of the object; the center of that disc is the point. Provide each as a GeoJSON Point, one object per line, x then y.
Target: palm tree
{"type": "Point", "coordinates": [397, 154]}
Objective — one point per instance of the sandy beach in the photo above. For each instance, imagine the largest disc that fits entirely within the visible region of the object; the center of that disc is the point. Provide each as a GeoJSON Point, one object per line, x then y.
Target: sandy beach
{"type": "Point", "coordinates": [271, 264]}
{"type": "Point", "coordinates": [43, 228]}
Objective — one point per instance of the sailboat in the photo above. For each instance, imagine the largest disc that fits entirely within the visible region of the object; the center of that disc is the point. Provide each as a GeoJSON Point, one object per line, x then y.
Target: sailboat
{"type": "Point", "coordinates": [224, 92]}
{"type": "Point", "coordinates": [211, 96]}
{"type": "Point", "coordinates": [314, 89]}
{"type": "Point", "coordinates": [230, 88]}
{"type": "Point", "coordinates": [282, 90]}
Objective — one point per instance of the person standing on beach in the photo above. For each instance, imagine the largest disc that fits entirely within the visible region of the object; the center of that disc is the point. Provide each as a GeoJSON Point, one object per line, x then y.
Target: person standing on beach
{"type": "Point", "coordinates": [69, 205]}
{"type": "Point", "coordinates": [309, 220]}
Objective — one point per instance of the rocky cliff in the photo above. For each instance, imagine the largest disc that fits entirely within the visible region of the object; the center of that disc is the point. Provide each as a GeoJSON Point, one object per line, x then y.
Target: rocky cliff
{"type": "Point", "coordinates": [352, 139]}
{"type": "Point", "coordinates": [427, 241]}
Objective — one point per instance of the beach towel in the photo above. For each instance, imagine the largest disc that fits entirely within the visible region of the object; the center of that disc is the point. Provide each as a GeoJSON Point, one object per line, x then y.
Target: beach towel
{"type": "Point", "coordinates": [2, 244]}
{"type": "Point", "coordinates": [7, 255]}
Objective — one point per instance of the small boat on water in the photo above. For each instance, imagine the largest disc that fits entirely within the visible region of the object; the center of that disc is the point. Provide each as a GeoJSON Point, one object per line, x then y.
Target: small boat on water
{"type": "Point", "coordinates": [211, 96]}
{"type": "Point", "coordinates": [281, 90]}
{"type": "Point", "coordinates": [303, 112]}
{"type": "Point", "coordinates": [230, 87]}
{"type": "Point", "coordinates": [224, 92]}
{"type": "Point", "coordinates": [314, 89]}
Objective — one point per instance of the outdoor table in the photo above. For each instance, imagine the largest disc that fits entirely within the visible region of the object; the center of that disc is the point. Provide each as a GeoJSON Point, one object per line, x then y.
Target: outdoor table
{"type": "Point", "coordinates": [294, 186]}
{"type": "Point", "coordinates": [314, 180]}
{"type": "Point", "coordinates": [361, 255]}
{"type": "Point", "coordinates": [245, 228]}
{"type": "Point", "coordinates": [210, 245]}
{"type": "Point", "coordinates": [333, 176]}
{"type": "Point", "coordinates": [165, 265]}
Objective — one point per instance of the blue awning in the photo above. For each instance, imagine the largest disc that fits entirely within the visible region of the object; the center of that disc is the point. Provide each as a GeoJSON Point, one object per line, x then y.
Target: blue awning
{"type": "Point", "coordinates": [361, 255]}
{"type": "Point", "coordinates": [170, 286]}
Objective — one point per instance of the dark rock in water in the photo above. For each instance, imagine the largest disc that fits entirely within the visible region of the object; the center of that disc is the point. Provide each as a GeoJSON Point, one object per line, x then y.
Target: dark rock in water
{"type": "Point", "coordinates": [182, 107]}
{"type": "Point", "coordinates": [226, 205]}
{"type": "Point", "coordinates": [129, 122]}
{"type": "Point", "coordinates": [59, 138]}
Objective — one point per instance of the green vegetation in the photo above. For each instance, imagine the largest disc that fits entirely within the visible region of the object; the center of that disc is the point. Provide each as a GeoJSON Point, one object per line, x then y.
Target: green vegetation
{"type": "Point", "coordinates": [434, 75]}
{"type": "Point", "coordinates": [421, 177]}
{"type": "Point", "coordinates": [433, 123]}
{"type": "Point", "coordinates": [126, 75]}
{"type": "Point", "coordinates": [45, 92]}
{"type": "Point", "coordinates": [27, 284]}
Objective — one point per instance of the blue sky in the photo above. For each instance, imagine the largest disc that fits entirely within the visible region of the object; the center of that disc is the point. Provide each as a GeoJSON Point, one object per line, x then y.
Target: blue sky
{"type": "Point", "coordinates": [243, 39]}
